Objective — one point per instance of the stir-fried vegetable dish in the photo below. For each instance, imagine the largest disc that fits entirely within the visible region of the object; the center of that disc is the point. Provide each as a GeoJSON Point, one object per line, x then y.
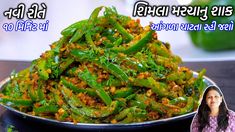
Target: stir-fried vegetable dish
{"type": "Point", "coordinates": [105, 69]}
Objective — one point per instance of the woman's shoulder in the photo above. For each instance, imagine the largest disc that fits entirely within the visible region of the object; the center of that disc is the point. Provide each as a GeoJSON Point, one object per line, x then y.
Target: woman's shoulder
{"type": "Point", "coordinates": [231, 120]}
{"type": "Point", "coordinates": [196, 115]}
{"type": "Point", "coordinates": [231, 114]}
{"type": "Point", "coordinates": [195, 125]}
{"type": "Point", "coordinates": [195, 118]}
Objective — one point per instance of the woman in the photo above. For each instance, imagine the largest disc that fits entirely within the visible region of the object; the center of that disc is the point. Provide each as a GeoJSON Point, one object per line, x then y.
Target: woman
{"type": "Point", "coordinates": [213, 114]}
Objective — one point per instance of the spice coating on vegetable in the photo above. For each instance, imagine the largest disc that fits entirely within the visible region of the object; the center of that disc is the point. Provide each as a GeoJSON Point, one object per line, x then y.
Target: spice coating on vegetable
{"type": "Point", "coordinates": [106, 69]}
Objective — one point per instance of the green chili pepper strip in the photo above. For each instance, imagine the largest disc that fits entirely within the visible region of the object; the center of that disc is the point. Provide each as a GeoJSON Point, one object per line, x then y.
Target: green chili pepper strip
{"type": "Point", "coordinates": [64, 106]}
{"type": "Point", "coordinates": [81, 55]}
{"type": "Point", "coordinates": [91, 81]}
{"type": "Point", "coordinates": [107, 44]}
{"type": "Point", "coordinates": [130, 63]}
{"type": "Point", "coordinates": [69, 31]}
{"type": "Point", "coordinates": [179, 76]}
{"type": "Point", "coordinates": [22, 74]}
{"type": "Point", "coordinates": [167, 62]}
{"type": "Point", "coordinates": [158, 48]}
{"type": "Point", "coordinates": [89, 39]}
{"type": "Point", "coordinates": [135, 115]}
{"type": "Point", "coordinates": [117, 42]}
{"type": "Point", "coordinates": [121, 29]}
{"type": "Point", "coordinates": [114, 69]}
{"type": "Point", "coordinates": [16, 102]}
{"type": "Point", "coordinates": [137, 46]}
{"type": "Point", "coordinates": [121, 115]}
{"type": "Point", "coordinates": [130, 97]}
{"type": "Point", "coordinates": [72, 100]}
{"type": "Point", "coordinates": [138, 104]}
{"type": "Point", "coordinates": [76, 89]}
{"type": "Point", "coordinates": [97, 113]}
{"type": "Point", "coordinates": [93, 17]}
{"type": "Point", "coordinates": [41, 95]}
{"type": "Point", "coordinates": [65, 64]}
{"type": "Point", "coordinates": [112, 82]}
{"type": "Point", "coordinates": [82, 119]}
{"type": "Point", "coordinates": [59, 44]}
{"type": "Point", "coordinates": [16, 90]}
{"type": "Point", "coordinates": [123, 92]}
{"type": "Point", "coordinates": [199, 82]}
{"type": "Point", "coordinates": [162, 109]}
{"type": "Point", "coordinates": [140, 101]}
{"type": "Point", "coordinates": [46, 109]}
{"type": "Point", "coordinates": [103, 62]}
{"type": "Point", "coordinates": [158, 87]}
{"type": "Point", "coordinates": [86, 27]}
{"type": "Point", "coordinates": [71, 72]}
{"type": "Point", "coordinates": [32, 93]}
{"type": "Point", "coordinates": [188, 108]}
{"type": "Point", "coordinates": [111, 15]}
{"type": "Point", "coordinates": [78, 34]}
{"type": "Point", "coordinates": [90, 24]}
{"type": "Point", "coordinates": [178, 100]}
{"type": "Point", "coordinates": [42, 69]}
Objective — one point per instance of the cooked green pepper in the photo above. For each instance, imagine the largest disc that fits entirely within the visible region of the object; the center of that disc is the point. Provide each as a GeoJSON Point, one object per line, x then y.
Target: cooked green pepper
{"type": "Point", "coordinates": [111, 15]}
{"type": "Point", "coordinates": [158, 87]}
{"type": "Point", "coordinates": [42, 69]}
{"type": "Point", "coordinates": [72, 100]}
{"type": "Point", "coordinates": [46, 109]}
{"type": "Point", "coordinates": [86, 27]}
{"type": "Point", "coordinates": [132, 114]}
{"type": "Point", "coordinates": [76, 89]}
{"type": "Point", "coordinates": [187, 108]}
{"type": "Point", "coordinates": [137, 46]}
{"type": "Point", "coordinates": [16, 102]}
{"type": "Point", "coordinates": [69, 31]}
{"type": "Point", "coordinates": [106, 69]}
{"type": "Point", "coordinates": [91, 81]}
{"type": "Point", "coordinates": [97, 113]}
{"type": "Point", "coordinates": [123, 92]}
{"type": "Point", "coordinates": [102, 61]}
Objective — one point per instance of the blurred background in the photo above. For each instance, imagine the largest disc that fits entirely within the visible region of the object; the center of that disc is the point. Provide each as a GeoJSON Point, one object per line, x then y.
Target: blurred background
{"type": "Point", "coordinates": [28, 45]}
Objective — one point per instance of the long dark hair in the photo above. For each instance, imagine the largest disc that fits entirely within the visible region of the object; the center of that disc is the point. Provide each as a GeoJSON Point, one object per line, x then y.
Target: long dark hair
{"type": "Point", "coordinates": [204, 111]}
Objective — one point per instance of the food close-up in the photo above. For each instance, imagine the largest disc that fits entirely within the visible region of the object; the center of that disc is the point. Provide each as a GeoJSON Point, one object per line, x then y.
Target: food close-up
{"type": "Point", "coordinates": [117, 66]}
{"type": "Point", "coordinates": [115, 71]}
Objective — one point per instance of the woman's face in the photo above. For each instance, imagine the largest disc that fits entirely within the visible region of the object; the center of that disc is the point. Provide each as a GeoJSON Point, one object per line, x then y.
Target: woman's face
{"type": "Point", "coordinates": [213, 99]}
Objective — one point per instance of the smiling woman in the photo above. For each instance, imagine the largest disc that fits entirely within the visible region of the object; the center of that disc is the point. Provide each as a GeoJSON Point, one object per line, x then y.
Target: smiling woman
{"type": "Point", "coordinates": [213, 114]}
